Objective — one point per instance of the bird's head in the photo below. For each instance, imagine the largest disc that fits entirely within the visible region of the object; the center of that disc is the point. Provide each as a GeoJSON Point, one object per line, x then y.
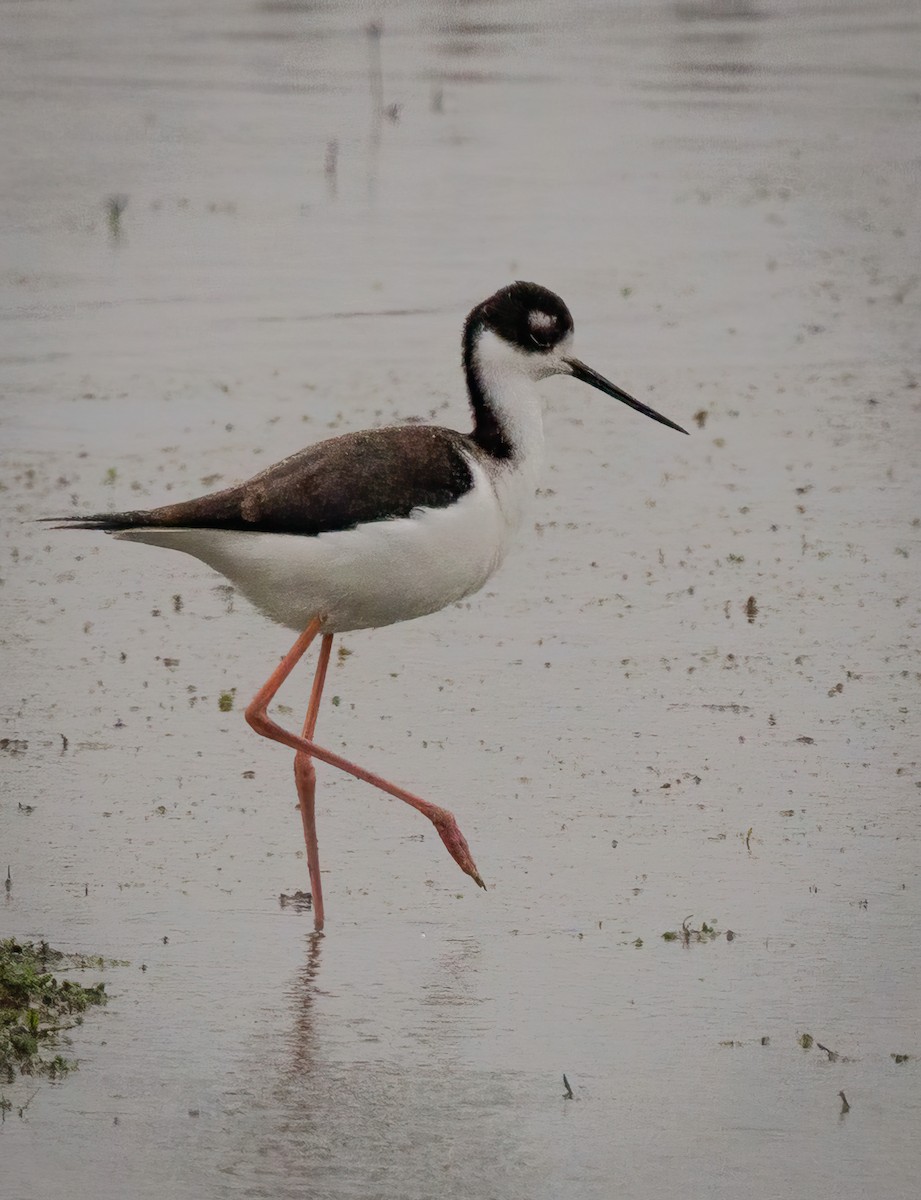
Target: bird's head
{"type": "Point", "coordinates": [526, 329]}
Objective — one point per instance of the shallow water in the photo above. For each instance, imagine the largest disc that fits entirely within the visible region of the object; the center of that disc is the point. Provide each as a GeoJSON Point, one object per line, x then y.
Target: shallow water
{"type": "Point", "coordinates": [726, 196]}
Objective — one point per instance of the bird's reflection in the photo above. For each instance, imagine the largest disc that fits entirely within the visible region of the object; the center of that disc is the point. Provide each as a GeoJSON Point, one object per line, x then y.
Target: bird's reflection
{"type": "Point", "coordinates": [302, 994]}
{"type": "Point", "coordinates": [378, 1076]}
{"type": "Point", "coordinates": [452, 984]}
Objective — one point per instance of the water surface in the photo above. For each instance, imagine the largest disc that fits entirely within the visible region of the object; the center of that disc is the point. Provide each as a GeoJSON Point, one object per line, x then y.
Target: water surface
{"type": "Point", "coordinates": [691, 693]}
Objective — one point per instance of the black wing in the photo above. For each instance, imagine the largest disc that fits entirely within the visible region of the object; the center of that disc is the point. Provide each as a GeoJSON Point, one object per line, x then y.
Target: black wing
{"type": "Point", "coordinates": [346, 481]}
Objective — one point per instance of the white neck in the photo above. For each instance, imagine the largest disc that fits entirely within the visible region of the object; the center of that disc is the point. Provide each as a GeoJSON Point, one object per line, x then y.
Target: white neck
{"type": "Point", "coordinates": [507, 382]}
{"type": "Point", "coordinates": [506, 379]}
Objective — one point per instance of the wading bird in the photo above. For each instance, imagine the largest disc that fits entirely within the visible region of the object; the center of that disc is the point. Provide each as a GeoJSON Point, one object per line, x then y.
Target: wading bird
{"type": "Point", "coordinates": [383, 525]}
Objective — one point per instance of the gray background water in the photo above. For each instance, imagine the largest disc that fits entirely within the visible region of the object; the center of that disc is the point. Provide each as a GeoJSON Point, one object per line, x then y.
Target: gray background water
{"type": "Point", "coordinates": [726, 196]}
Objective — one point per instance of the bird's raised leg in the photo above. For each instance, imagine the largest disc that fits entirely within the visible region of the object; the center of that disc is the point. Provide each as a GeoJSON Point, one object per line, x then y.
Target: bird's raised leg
{"type": "Point", "coordinates": [305, 777]}
{"type": "Point", "coordinates": [259, 720]}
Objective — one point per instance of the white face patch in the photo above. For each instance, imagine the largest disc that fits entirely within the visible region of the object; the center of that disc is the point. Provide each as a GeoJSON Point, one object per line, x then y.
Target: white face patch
{"type": "Point", "coordinates": [541, 322]}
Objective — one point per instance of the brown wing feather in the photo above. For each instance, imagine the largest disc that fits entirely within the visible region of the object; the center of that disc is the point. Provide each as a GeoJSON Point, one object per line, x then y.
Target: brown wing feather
{"type": "Point", "coordinates": [373, 475]}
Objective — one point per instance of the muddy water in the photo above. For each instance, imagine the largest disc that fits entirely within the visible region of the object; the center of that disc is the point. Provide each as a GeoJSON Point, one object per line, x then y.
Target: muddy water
{"type": "Point", "coordinates": [692, 693]}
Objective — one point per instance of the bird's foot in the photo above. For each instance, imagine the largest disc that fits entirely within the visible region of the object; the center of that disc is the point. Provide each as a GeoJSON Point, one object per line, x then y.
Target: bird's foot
{"type": "Point", "coordinates": [456, 843]}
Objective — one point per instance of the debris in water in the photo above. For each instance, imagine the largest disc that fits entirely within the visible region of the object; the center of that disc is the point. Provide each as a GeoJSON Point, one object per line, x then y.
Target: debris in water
{"type": "Point", "coordinates": [330, 165]}
{"type": "Point", "coordinates": [568, 1095]}
{"type": "Point", "coordinates": [374, 31]}
{"type": "Point", "coordinates": [115, 206]}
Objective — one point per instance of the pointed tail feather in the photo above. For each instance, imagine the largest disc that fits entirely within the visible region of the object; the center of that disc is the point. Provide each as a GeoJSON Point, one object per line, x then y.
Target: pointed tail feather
{"type": "Point", "coordinates": [110, 522]}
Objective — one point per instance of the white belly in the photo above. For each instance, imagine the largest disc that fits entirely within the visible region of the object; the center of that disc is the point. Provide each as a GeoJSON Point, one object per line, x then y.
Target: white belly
{"type": "Point", "coordinates": [372, 575]}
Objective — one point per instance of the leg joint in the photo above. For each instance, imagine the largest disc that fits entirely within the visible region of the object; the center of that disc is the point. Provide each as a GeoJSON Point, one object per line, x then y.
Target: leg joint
{"type": "Point", "coordinates": [256, 717]}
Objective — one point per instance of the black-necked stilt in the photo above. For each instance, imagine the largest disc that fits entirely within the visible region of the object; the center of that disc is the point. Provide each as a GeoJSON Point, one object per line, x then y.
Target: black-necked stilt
{"type": "Point", "coordinates": [383, 525]}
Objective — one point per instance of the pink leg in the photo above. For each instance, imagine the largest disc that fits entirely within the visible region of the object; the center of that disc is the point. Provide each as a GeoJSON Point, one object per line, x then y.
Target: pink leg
{"type": "Point", "coordinates": [306, 779]}
{"type": "Point", "coordinates": [258, 719]}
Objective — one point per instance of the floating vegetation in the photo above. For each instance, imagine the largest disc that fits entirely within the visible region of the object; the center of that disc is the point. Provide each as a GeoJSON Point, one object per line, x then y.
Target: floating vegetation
{"type": "Point", "coordinates": [36, 1008]}
{"type": "Point", "coordinates": [225, 700]}
{"type": "Point", "coordinates": [688, 934]}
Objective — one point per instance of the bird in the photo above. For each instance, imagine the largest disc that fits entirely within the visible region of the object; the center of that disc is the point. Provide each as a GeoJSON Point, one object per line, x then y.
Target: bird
{"type": "Point", "coordinates": [383, 525]}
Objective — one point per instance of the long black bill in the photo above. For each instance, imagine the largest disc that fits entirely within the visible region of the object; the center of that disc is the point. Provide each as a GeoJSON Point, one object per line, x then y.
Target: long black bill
{"type": "Point", "coordinates": [587, 375]}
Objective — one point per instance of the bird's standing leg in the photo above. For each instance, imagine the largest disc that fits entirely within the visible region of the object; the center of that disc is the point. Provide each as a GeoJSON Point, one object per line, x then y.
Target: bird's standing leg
{"type": "Point", "coordinates": [258, 719]}
{"type": "Point", "coordinates": [305, 777]}
{"type": "Point", "coordinates": [304, 773]}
